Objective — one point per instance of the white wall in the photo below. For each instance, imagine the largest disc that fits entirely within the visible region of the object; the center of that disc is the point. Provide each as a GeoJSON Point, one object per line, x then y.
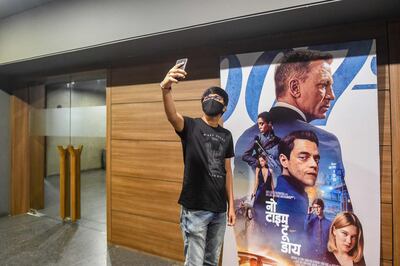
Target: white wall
{"type": "Point", "coordinates": [61, 26]}
{"type": "Point", "coordinates": [5, 152]}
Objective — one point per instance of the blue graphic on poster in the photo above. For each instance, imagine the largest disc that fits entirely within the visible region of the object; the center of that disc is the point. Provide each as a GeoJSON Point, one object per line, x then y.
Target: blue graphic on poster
{"type": "Point", "coordinates": [306, 166]}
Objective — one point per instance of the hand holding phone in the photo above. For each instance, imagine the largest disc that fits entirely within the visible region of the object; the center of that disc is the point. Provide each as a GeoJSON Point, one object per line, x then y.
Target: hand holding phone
{"type": "Point", "coordinates": [175, 74]}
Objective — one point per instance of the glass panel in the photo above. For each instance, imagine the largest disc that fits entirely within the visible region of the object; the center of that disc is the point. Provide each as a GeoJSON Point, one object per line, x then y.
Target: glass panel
{"type": "Point", "coordinates": [50, 119]}
{"type": "Point", "coordinates": [88, 128]}
{"type": "Point", "coordinates": [57, 126]}
{"type": "Point", "coordinates": [71, 113]}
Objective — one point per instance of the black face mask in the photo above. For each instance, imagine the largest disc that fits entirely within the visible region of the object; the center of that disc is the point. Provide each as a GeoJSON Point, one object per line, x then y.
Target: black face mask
{"type": "Point", "coordinates": [212, 107]}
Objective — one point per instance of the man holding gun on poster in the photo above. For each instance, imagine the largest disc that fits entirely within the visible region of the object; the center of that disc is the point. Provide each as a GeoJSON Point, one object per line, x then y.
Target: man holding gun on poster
{"type": "Point", "coordinates": [207, 184]}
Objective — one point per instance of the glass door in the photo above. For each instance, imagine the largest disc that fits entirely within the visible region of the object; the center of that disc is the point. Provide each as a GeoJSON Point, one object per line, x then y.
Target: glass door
{"type": "Point", "coordinates": [74, 113]}
{"type": "Point", "coordinates": [88, 128]}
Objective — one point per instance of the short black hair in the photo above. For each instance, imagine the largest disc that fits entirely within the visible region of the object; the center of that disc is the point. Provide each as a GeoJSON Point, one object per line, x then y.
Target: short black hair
{"type": "Point", "coordinates": [265, 116]}
{"type": "Point", "coordinates": [286, 144]}
{"type": "Point", "coordinates": [216, 90]}
{"type": "Point", "coordinates": [319, 202]}
{"type": "Point", "coordinates": [296, 63]}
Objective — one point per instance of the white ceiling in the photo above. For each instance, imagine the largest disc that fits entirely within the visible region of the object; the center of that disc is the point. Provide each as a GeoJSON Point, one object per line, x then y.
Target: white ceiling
{"type": "Point", "coordinates": [12, 7]}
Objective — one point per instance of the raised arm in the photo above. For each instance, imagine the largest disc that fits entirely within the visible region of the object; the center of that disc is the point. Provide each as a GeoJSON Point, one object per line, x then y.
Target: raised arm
{"type": "Point", "coordinates": [229, 192]}
{"type": "Point", "coordinates": [175, 118]}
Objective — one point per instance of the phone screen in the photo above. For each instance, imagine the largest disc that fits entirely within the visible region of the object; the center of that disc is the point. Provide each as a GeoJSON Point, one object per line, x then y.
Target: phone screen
{"type": "Point", "coordinates": [184, 61]}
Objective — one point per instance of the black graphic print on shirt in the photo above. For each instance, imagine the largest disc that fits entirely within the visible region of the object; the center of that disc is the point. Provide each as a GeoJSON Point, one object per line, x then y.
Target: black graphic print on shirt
{"type": "Point", "coordinates": [214, 145]}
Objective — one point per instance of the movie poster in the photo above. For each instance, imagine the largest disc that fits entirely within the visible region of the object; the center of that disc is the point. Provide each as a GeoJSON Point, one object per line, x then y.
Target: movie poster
{"type": "Point", "coordinates": [306, 166]}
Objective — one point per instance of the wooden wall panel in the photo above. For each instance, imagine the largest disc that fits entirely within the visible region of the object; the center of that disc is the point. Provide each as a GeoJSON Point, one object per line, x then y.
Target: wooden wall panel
{"type": "Point", "coordinates": [386, 174]}
{"type": "Point", "coordinates": [147, 121]}
{"type": "Point", "coordinates": [386, 263]}
{"type": "Point", "coordinates": [37, 97]}
{"type": "Point", "coordinates": [394, 72]}
{"type": "Point", "coordinates": [384, 117]}
{"type": "Point", "coordinates": [108, 161]}
{"type": "Point", "coordinates": [156, 160]}
{"type": "Point", "coordinates": [148, 234]}
{"type": "Point", "coordinates": [146, 197]}
{"type": "Point", "coordinates": [383, 75]}
{"type": "Point", "coordinates": [37, 172]}
{"type": "Point", "coordinates": [20, 185]}
{"type": "Point", "coordinates": [386, 232]}
{"type": "Point", "coordinates": [184, 90]}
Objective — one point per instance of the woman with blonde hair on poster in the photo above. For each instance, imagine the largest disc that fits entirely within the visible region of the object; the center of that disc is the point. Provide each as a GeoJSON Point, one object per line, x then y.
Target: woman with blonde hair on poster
{"type": "Point", "coordinates": [346, 241]}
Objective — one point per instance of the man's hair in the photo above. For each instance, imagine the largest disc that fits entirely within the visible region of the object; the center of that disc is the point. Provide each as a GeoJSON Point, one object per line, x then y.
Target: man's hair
{"type": "Point", "coordinates": [319, 202]}
{"type": "Point", "coordinates": [295, 63]}
{"type": "Point", "coordinates": [286, 144]}
{"type": "Point", "coordinates": [216, 90]}
{"type": "Point", "coordinates": [344, 219]}
{"type": "Point", "coordinates": [265, 116]}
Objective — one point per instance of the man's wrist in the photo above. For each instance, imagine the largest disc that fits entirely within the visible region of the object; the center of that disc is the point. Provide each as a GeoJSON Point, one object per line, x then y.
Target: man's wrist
{"type": "Point", "coordinates": [163, 87]}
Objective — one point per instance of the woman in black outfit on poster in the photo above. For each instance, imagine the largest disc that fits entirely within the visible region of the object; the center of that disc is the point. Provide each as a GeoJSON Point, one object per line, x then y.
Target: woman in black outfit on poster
{"type": "Point", "coordinates": [346, 241]}
{"type": "Point", "coordinates": [263, 185]}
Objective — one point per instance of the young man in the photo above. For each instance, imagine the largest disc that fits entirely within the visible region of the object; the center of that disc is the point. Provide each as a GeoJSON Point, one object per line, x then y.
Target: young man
{"type": "Point", "coordinates": [207, 183]}
{"type": "Point", "coordinates": [317, 229]}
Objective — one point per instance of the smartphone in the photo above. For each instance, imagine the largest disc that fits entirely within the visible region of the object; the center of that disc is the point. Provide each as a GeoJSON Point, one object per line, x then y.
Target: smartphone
{"type": "Point", "coordinates": [184, 61]}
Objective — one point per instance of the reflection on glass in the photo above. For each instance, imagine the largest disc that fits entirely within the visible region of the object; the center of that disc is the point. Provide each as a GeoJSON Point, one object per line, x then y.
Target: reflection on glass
{"type": "Point", "coordinates": [72, 113]}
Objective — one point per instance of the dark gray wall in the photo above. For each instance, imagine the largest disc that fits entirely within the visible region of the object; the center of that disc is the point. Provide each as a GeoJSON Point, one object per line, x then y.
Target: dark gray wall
{"type": "Point", "coordinates": [5, 154]}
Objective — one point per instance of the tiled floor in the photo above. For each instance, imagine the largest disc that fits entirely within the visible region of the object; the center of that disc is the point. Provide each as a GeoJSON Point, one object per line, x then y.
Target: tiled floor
{"type": "Point", "coordinates": [29, 240]}
{"type": "Point", "coordinates": [46, 240]}
{"type": "Point", "coordinates": [93, 198]}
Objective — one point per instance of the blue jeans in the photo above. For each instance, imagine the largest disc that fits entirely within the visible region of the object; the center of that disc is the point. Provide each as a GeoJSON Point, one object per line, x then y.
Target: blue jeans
{"type": "Point", "coordinates": [203, 233]}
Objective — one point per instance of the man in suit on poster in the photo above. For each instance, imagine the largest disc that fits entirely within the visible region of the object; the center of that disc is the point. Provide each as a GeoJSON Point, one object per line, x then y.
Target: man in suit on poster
{"type": "Point", "coordinates": [303, 84]}
{"type": "Point", "coordinates": [299, 157]}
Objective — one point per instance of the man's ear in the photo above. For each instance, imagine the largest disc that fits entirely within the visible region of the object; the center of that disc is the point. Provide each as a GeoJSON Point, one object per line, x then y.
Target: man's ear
{"type": "Point", "coordinates": [284, 160]}
{"type": "Point", "coordinates": [224, 109]}
{"type": "Point", "coordinates": [294, 88]}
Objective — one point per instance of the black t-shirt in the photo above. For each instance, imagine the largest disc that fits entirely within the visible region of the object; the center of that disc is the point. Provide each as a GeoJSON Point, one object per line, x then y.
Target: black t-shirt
{"type": "Point", "coordinates": [204, 151]}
